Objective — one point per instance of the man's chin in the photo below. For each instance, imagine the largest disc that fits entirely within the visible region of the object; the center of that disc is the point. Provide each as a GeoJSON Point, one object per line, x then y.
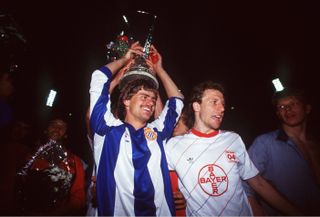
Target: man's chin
{"type": "Point", "coordinates": [56, 138]}
{"type": "Point", "coordinates": [147, 118]}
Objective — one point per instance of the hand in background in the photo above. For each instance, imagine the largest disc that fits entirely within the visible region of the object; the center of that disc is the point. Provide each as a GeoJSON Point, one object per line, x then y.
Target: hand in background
{"type": "Point", "coordinates": [179, 200]}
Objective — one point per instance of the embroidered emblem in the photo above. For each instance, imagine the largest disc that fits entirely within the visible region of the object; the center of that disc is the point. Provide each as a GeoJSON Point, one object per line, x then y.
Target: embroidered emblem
{"type": "Point", "coordinates": [231, 156]}
{"type": "Point", "coordinates": [150, 134]}
{"type": "Point", "coordinates": [213, 180]}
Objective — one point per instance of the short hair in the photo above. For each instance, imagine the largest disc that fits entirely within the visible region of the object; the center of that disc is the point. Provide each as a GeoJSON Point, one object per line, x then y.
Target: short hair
{"type": "Point", "coordinates": [45, 136]}
{"type": "Point", "coordinates": [130, 89]}
{"type": "Point", "coordinates": [55, 120]}
{"type": "Point", "coordinates": [196, 96]}
{"type": "Point", "coordinates": [290, 92]}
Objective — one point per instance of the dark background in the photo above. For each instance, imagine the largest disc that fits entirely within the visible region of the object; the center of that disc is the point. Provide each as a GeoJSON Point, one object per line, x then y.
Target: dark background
{"type": "Point", "coordinates": [242, 44]}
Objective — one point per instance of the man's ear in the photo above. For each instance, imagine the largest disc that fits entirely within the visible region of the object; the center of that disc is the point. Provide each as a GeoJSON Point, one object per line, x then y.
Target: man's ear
{"type": "Point", "coordinates": [196, 106]}
{"type": "Point", "coordinates": [126, 102]}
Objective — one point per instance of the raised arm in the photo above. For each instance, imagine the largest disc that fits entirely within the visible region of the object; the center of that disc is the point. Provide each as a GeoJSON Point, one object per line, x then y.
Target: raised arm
{"type": "Point", "coordinates": [116, 79]}
{"type": "Point", "coordinates": [100, 112]}
{"type": "Point", "coordinates": [155, 61]}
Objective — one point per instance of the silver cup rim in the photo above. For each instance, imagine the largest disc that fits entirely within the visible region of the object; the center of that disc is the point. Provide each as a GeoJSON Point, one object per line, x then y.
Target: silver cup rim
{"type": "Point", "coordinates": [139, 72]}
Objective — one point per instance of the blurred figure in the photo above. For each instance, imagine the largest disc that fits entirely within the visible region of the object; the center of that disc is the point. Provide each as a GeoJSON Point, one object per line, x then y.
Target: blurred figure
{"type": "Point", "coordinates": [289, 157]}
{"type": "Point", "coordinates": [14, 153]}
{"type": "Point", "coordinates": [6, 90]}
{"type": "Point", "coordinates": [52, 182]}
{"type": "Point", "coordinates": [7, 162]}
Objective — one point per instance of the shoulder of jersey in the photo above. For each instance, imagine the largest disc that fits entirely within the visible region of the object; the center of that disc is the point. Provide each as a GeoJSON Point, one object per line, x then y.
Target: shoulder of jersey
{"type": "Point", "coordinates": [229, 133]}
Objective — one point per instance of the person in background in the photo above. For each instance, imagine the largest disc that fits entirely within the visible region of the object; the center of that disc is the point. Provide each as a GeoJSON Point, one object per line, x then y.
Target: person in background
{"type": "Point", "coordinates": [132, 173]}
{"type": "Point", "coordinates": [6, 90]}
{"type": "Point", "coordinates": [7, 162]}
{"type": "Point", "coordinates": [289, 157]}
{"type": "Point", "coordinates": [31, 190]}
{"type": "Point", "coordinates": [211, 163]}
{"type": "Point", "coordinates": [14, 153]}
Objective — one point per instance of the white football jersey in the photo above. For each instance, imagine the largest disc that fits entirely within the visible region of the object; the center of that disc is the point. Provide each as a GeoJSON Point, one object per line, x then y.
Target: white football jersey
{"type": "Point", "coordinates": [210, 170]}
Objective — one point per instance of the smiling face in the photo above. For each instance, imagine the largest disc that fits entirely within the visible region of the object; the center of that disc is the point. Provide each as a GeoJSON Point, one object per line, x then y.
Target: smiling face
{"type": "Point", "coordinates": [57, 129]}
{"type": "Point", "coordinates": [140, 107]}
{"type": "Point", "coordinates": [209, 112]}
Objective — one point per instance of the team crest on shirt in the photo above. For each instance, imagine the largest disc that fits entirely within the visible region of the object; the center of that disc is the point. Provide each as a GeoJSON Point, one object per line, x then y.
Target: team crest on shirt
{"type": "Point", "coordinates": [231, 156]}
{"type": "Point", "coordinates": [150, 134]}
{"type": "Point", "coordinates": [213, 180]}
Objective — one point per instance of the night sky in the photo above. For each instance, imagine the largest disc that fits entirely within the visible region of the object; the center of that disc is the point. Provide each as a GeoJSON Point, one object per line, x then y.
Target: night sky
{"type": "Point", "coordinates": [241, 44]}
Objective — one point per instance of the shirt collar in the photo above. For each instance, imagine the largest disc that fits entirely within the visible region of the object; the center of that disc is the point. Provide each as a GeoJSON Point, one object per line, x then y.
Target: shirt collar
{"type": "Point", "coordinates": [282, 136]}
{"type": "Point", "coordinates": [205, 135]}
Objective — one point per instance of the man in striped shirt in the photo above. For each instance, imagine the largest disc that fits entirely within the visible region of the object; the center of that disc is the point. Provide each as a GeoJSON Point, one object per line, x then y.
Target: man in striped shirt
{"type": "Point", "coordinates": [132, 172]}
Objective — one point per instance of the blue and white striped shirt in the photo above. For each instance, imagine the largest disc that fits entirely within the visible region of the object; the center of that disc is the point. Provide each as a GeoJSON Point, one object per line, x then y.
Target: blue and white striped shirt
{"type": "Point", "coordinates": [132, 175]}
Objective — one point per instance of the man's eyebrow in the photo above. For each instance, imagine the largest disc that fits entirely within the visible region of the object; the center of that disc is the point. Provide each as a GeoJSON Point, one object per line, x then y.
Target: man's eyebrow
{"type": "Point", "coordinates": [149, 95]}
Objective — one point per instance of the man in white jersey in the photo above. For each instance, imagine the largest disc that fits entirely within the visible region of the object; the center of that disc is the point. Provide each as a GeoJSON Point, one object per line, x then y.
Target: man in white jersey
{"type": "Point", "coordinates": [132, 173]}
{"type": "Point", "coordinates": [212, 163]}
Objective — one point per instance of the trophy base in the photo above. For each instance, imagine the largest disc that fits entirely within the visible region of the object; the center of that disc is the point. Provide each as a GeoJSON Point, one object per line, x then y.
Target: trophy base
{"type": "Point", "coordinates": [138, 74]}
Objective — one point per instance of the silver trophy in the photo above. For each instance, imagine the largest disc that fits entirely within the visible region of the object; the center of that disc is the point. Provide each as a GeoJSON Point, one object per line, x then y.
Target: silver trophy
{"type": "Point", "coordinates": [139, 69]}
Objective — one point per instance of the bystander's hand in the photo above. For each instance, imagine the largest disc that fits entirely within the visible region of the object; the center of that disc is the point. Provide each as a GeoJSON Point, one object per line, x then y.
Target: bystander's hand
{"type": "Point", "coordinates": [179, 200]}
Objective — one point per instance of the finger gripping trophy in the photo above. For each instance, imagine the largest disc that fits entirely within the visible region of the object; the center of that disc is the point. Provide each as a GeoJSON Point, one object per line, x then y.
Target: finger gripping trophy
{"type": "Point", "coordinates": [139, 69]}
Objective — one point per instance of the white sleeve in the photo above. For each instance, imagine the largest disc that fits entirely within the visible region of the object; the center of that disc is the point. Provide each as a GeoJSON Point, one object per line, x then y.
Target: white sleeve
{"type": "Point", "coordinates": [100, 109]}
{"type": "Point", "coordinates": [169, 116]}
{"type": "Point", "coordinates": [168, 145]}
{"type": "Point", "coordinates": [247, 169]}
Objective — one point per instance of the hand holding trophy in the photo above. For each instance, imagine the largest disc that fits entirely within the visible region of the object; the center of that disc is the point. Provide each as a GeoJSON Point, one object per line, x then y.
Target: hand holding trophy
{"type": "Point", "coordinates": [139, 68]}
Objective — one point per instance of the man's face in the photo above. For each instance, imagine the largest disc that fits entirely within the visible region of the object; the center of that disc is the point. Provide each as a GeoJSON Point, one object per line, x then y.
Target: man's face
{"type": "Point", "coordinates": [209, 113]}
{"type": "Point", "coordinates": [141, 106]}
{"type": "Point", "coordinates": [291, 111]}
{"type": "Point", "coordinates": [57, 130]}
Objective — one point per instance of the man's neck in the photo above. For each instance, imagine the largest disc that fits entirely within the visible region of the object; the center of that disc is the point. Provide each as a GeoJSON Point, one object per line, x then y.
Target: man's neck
{"type": "Point", "coordinates": [203, 129]}
{"type": "Point", "coordinates": [137, 124]}
{"type": "Point", "coordinates": [296, 132]}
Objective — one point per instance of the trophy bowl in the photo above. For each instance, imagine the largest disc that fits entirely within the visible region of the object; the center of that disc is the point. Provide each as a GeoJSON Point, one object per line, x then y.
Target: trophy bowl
{"type": "Point", "coordinates": [138, 71]}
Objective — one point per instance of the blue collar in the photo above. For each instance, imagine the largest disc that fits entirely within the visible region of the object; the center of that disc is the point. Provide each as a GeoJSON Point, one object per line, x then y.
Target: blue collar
{"type": "Point", "coordinates": [282, 136]}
